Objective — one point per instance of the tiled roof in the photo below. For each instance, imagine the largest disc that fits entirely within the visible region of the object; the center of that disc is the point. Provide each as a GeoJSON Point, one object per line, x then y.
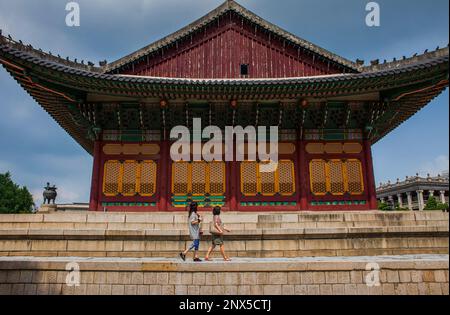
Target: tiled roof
{"type": "Point", "coordinates": [425, 76]}
{"type": "Point", "coordinates": [426, 61]}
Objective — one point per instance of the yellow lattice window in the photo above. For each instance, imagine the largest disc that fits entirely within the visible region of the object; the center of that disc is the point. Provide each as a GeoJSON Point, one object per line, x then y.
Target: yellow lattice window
{"type": "Point", "coordinates": [354, 177]}
{"type": "Point", "coordinates": [254, 180]}
{"type": "Point", "coordinates": [129, 178]}
{"type": "Point", "coordinates": [249, 178]}
{"type": "Point", "coordinates": [181, 178]}
{"type": "Point", "coordinates": [318, 177]}
{"type": "Point", "coordinates": [336, 177]}
{"type": "Point", "coordinates": [286, 178]}
{"type": "Point", "coordinates": [147, 180]}
{"type": "Point", "coordinates": [112, 178]}
{"type": "Point", "coordinates": [199, 178]}
{"type": "Point", "coordinates": [268, 182]}
{"type": "Point", "coordinates": [217, 178]}
{"type": "Point", "coordinates": [336, 184]}
{"type": "Point", "coordinates": [130, 171]}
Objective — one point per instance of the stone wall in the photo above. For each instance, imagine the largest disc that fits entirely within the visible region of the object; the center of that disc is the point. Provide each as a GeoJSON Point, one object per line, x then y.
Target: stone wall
{"type": "Point", "coordinates": [253, 235]}
{"type": "Point", "coordinates": [401, 275]}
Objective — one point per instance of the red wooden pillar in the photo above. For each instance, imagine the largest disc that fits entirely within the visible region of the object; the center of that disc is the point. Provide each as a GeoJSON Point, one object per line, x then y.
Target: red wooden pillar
{"type": "Point", "coordinates": [96, 180]}
{"type": "Point", "coordinates": [164, 175]}
{"type": "Point", "coordinates": [302, 174]}
{"type": "Point", "coordinates": [234, 189]}
{"type": "Point", "coordinates": [370, 175]}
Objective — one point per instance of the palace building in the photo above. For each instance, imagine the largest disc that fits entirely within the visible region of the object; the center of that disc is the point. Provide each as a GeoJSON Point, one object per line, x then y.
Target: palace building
{"type": "Point", "coordinates": [414, 192]}
{"type": "Point", "coordinates": [229, 68]}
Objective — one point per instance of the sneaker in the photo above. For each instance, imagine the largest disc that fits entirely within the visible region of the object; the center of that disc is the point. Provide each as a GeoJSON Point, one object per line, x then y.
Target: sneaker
{"type": "Point", "coordinates": [183, 256]}
{"type": "Point", "coordinates": [197, 259]}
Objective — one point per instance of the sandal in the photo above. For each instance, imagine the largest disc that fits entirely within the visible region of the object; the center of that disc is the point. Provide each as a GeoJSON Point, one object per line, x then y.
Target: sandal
{"type": "Point", "coordinates": [227, 259]}
{"type": "Point", "coordinates": [207, 259]}
{"type": "Point", "coordinates": [183, 256]}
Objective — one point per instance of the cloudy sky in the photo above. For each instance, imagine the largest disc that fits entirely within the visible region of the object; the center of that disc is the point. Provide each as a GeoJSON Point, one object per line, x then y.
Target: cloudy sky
{"type": "Point", "coordinates": [36, 150]}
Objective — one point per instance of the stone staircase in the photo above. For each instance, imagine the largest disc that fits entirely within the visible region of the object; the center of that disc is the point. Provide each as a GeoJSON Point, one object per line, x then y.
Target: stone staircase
{"type": "Point", "coordinates": [305, 234]}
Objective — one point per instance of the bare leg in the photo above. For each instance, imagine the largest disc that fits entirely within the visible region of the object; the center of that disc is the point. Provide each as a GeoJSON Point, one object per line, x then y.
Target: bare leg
{"type": "Point", "coordinates": [210, 249]}
{"type": "Point", "coordinates": [222, 251]}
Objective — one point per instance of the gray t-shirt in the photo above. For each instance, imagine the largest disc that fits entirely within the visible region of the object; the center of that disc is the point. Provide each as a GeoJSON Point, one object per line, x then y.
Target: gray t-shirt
{"type": "Point", "coordinates": [194, 229]}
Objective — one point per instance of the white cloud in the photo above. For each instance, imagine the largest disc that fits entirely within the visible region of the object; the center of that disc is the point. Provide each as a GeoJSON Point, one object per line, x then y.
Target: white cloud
{"type": "Point", "coordinates": [435, 167]}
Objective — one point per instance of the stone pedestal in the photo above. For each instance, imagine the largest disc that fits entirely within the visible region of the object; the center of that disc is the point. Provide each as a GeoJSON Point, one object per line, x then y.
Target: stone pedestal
{"type": "Point", "coordinates": [47, 208]}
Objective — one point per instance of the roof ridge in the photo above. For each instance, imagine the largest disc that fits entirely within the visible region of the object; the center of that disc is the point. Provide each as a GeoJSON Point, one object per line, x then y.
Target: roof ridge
{"type": "Point", "coordinates": [39, 53]}
{"type": "Point", "coordinates": [404, 62]}
{"type": "Point", "coordinates": [18, 52]}
{"type": "Point", "coordinates": [229, 5]}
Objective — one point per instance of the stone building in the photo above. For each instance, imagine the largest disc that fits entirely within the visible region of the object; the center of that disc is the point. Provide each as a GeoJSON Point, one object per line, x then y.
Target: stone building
{"type": "Point", "coordinates": [414, 192]}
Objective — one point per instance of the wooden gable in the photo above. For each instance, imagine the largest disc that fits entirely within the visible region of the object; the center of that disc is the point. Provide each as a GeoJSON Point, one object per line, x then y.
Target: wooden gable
{"type": "Point", "coordinates": [231, 45]}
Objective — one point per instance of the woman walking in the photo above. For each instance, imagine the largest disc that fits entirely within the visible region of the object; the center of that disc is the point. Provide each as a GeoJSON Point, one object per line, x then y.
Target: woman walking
{"type": "Point", "coordinates": [217, 230]}
{"type": "Point", "coordinates": [194, 232]}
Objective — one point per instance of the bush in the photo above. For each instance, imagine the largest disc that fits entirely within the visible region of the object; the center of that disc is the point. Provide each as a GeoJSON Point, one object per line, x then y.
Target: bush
{"type": "Point", "coordinates": [14, 199]}
{"type": "Point", "coordinates": [443, 206]}
{"type": "Point", "coordinates": [398, 208]}
{"type": "Point", "coordinates": [383, 206]}
{"type": "Point", "coordinates": [432, 204]}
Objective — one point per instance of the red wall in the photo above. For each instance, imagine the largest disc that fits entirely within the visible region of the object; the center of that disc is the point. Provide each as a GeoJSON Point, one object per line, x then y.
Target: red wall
{"type": "Point", "coordinates": [302, 197]}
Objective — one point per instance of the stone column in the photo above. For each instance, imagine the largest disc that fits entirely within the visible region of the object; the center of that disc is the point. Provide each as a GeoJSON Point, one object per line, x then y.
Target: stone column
{"type": "Point", "coordinates": [442, 194]}
{"type": "Point", "coordinates": [382, 200]}
{"type": "Point", "coordinates": [400, 200]}
{"type": "Point", "coordinates": [431, 193]}
{"type": "Point", "coordinates": [420, 199]}
{"type": "Point", "coordinates": [410, 203]}
{"type": "Point", "coordinates": [391, 201]}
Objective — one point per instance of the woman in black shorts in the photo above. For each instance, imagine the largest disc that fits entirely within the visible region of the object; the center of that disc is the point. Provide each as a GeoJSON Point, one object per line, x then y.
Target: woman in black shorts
{"type": "Point", "coordinates": [217, 238]}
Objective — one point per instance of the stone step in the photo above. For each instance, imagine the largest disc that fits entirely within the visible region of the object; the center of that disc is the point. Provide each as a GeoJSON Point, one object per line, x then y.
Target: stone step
{"type": "Point", "coordinates": [242, 243]}
{"type": "Point", "coordinates": [398, 275]}
{"type": "Point", "coordinates": [253, 234]}
{"type": "Point", "coordinates": [233, 226]}
{"type": "Point", "coordinates": [178, 221]}
{"type": "Point", "coordinates": [230, 217]}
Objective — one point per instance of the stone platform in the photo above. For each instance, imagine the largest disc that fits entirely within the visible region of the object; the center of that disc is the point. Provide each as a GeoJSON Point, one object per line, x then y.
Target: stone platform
{"type": "Point", "coordinates": [398, 275]}
{"type": "Point", "coordinates": [304, 234]}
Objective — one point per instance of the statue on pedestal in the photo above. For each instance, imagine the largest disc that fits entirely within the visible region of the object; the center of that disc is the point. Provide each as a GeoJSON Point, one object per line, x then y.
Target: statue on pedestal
{"type": "Point", "coordinates": [50, 193]}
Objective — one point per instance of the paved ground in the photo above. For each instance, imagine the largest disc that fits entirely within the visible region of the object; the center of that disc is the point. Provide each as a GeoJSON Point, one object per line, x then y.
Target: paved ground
{"type": "Point", "coordinates": [350, 259]}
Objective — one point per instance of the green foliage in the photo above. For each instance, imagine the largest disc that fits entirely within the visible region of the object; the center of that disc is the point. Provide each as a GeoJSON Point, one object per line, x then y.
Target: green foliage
{"type": "Point", "coordinates": [383, 206]}
{"type": "Point", "coordinates": [14, 199]}
{"type": "Point", "coordinates": [433, 204]}
{"type": "Point", "coordinates": [443, 206]}
{"type": "Point", "coordinates": [398, 208]}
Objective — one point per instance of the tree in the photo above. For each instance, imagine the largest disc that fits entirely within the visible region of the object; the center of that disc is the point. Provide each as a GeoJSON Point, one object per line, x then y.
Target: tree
{"type": "Point", "coordinates": [13, 198]}
{"type": "Point", "coordinates": [432, 204]}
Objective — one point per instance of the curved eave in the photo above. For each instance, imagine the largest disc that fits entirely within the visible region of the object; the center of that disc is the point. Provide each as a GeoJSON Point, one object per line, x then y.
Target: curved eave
{"type": "Point", "coordinates": [54, 86]}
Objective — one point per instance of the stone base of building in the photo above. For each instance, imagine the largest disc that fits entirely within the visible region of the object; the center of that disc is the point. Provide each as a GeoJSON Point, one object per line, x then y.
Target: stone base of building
{"type": "Point", "coordinates": [253, 235]}
{"type": "Point", "coordinates": [398, 275]}
{"type": "Point", "coordinates": [50, 208]}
